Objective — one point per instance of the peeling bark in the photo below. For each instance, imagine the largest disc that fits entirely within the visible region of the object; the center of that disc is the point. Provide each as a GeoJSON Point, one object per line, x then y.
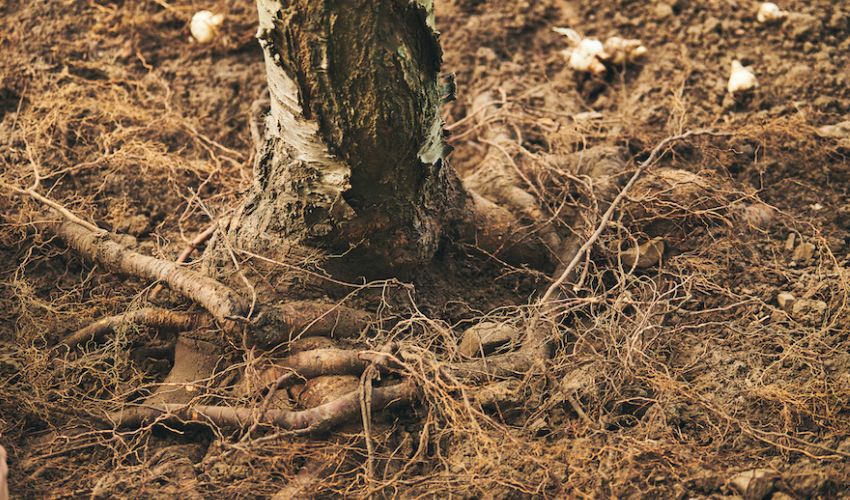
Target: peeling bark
{"type": "Point", "coordinates": [354, 152]}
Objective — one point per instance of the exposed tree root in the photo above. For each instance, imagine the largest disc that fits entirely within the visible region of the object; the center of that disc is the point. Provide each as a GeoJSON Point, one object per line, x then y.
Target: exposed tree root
{"type": "Point", "coordinates": [318, 363]}
{"type": "Point", "coordinates": [193, 245]}
{"type": "Point", "coordinates": [222, 302]}
{"type": "Point", "coordinates": [318, 419]}
{"type": "Point", "coordinates": [196, 362]}
{"type": "Point", "coordinates": [501, 180]}
{"type": "Point", "coordinates": [57, 207]}
{"type": "Point", "coordinates": [281, 324]}
{"type": "Point", "coordinates": [514, 364]}
{"type": "Point", "coordinates": [293, 320]}
{"type": "Point", "coordinates": [287, 322]}
{"type": "Point", "coordinates": [498, 232]}
{"type": "Point", "coordinates": [199, 240]}
{"type": "Point", "coordinates": [153, 317]}
{"type": "Point", "coordinates": [602, 171]}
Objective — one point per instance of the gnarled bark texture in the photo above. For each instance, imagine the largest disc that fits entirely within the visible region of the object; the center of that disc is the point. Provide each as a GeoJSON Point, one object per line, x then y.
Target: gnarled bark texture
{"type": "Point", "coordinates": [354, 156]}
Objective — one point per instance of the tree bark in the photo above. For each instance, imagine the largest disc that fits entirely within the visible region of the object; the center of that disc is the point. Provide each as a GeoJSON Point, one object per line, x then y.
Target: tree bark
{"type": "Point", "coordinates": [354, 154]}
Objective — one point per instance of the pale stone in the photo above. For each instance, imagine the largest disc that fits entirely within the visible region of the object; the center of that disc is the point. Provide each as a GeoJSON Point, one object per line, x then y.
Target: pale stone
{"type": "Point", "coordinates": [786, 301]}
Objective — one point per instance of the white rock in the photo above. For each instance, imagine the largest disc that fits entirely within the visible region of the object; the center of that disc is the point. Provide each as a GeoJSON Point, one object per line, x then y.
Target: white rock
{"type": "Point", "coordinates": [804, 252]}
{"type": "Point", "coordinates": [770, 12]}
{"type": "Point", "coordinates": [837, 131]}
{"type": "Point", "coordinates": [810, 312]}
{"type": "Point", "coordinates": [756, 483]}
{"type": "Point", "coordinates": [790, 241]}
{"type": "Point", "coordinates": [589, 55]}
{"type": "Point", "coordinates": [741, 79]}
{"type": "Point", "coordinates": [205, 25]}
{"type": "Point", "coordinates": [588, 116]}
{"type": "Point", "coordinates": [585, 57]}
{"type": "Point", "coordinates": [786, 301]}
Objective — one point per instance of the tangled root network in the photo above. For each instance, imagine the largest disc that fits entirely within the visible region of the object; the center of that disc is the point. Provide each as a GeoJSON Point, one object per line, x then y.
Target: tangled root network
{"type": "Point", "coordinates": [681, 330]}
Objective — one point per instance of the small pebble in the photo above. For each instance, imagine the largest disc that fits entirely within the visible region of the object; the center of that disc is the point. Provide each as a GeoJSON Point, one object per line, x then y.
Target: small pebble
{"type": "Point", "coordinates": [786, 301]}
{"type": "Point", "coordinates": [663, 11]}
{"type": "Point", "coordinates": [809, 312]}
{"type": "Point", "coordinates": [789, 242]}
{"type": "Point", "coordinates": [804, 252]}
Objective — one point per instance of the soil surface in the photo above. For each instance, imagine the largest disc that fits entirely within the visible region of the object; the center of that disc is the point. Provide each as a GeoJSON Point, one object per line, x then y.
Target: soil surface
{"type": "Point", "coordinates": [719, 367]}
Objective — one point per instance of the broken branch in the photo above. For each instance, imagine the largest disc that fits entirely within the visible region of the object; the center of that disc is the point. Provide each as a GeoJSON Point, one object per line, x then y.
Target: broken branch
{"type": "Point", "coordinates": [61, 210]}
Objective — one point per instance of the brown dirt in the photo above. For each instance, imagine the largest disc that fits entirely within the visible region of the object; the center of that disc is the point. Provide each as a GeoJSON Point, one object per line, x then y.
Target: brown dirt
{"type": "Point", "coordinates": [669, 381]}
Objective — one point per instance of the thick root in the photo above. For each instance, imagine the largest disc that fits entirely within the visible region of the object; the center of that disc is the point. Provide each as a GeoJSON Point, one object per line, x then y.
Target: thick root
{"type": "Point", "coordinates": [195, 364]}
{"type": "Point", "coordinates": [221, 301]}
{"type": "Point", "coordinates": [317, 363]}
{"type": "Point", "coordinates": [160, 319]}
{"type": "Point", "coordinates": [319, 419]}
{"type": "Point", "coordinates": [514, 364]}
{"type": "Point", "coordinates": [499, 233]}
{"type": "Point", "coordinates": [287, 322]}
{"type": "Point", "coordinates": [499, 178]}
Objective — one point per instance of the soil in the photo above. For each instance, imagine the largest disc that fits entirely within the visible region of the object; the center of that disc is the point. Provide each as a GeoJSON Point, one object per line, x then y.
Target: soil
{"type": "Point", "coordinates": [685, 378]}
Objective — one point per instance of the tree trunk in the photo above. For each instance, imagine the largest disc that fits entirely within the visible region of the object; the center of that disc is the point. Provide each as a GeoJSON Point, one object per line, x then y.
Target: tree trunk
{"type": "Point", "coordinates": [353, 157]}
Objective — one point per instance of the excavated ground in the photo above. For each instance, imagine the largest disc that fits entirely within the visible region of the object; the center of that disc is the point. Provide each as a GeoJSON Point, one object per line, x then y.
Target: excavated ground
{"type": "Point", "coordinates": [686, 378]}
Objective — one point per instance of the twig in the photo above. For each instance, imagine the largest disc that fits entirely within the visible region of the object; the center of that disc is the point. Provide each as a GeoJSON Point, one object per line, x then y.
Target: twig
{"type": "Point", "coordinates": [537, 342]}
{"type": "Point", "coordinates": [369, 374]}
{"type": "Point", "coordinates": [366, 417]}
{"type": "Point", "coordinates": [89, 240]}
{"type": "Point", "coordinates": [199, 240]}
{"type": "Point", "coordinates": [193, 245]}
